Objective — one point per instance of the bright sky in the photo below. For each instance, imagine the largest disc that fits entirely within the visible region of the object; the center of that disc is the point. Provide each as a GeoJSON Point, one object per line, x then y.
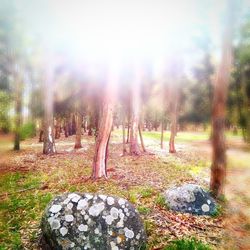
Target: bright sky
{"type": "Point", "coordinates": [122, 29]}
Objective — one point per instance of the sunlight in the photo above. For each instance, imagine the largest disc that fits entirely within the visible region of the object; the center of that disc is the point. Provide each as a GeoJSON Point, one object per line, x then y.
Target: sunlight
{"type": "Point", "coordinates": [126, 30]}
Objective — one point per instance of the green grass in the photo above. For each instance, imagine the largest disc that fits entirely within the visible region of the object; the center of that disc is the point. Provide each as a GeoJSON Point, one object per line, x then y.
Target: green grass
{"type": "Point", "coordinates": [181, 136]}
{"type": "Point", "coordinates": [187, 244]}
{"type": "Point", "coordinates": [161, 201]}
{"type": "Point", "coordinates": [20, 210]}
{"type": "Point", "coordinates": [143, 210]}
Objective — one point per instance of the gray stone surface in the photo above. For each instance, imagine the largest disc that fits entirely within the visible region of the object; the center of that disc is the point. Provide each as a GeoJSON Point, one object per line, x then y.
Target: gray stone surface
{"type": "Point", "coordinates": [190, 198]}
{"type": "Point", "coordinates": [88, 221]}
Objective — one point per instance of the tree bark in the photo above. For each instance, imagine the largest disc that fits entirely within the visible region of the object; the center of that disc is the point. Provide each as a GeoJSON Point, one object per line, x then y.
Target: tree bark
{"type": "Point", "coordinates": [218, 168]}
{"type": "Point", "coordinates": [49, 141]}
{"type": "Point", "coordinates": [129, 115]}
{"type": "Point", "coordinates": [173, 118]}
{"type": "Point", "coordinates": [141, 139]}
{"type": "Point", "coordinates": [18, 113]}
{"type": "Point", "coordinates": [57, 128]}
{"type": "Point", "coordinates": [162, 135]}
{"type": "Point", "coordinates": [73, 124]}
{"type": "Point", "coordinates": [78, 143]}
{"type": "Point", "coordinates": [124, 151]}
{"type": "Point", "coordinates": [135, 113]}
{"type": "Point", "coordinates": [104, 130]}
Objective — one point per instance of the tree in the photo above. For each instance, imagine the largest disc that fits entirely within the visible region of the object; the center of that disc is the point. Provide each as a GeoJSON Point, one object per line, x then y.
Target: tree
{"type": "Point", "coordinates": [49, 141]}
{"type": "Point", "coordinates": [18, 108]}
{"type": "Point", "coordinates": [218, 168]}
{"type": "Point", "coordinates": [104, 127]}
{"type": "Point", "coordinates": [174, 93]}
{"type": "Point", "coordinates": [135, 113]}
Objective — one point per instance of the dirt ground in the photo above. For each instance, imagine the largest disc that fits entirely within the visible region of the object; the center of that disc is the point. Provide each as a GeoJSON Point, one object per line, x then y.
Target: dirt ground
{"type": "Point", "coordinates": [127, 178]}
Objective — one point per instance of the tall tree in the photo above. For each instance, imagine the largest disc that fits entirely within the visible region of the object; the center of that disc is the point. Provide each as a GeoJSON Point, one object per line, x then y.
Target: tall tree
{"type": "Point", "coordinates": [218, 168]}
{"type": "Point", "coordinates": [79, 119]}
{"type": "Point", "coordinates": [49, 140]}
{"type": "Point", "coordinates": [18, 107]}
{"type": "Point", "coordinates": [105, 126]}
{"type": "Point", "coordinates": [175, 72]}
{"type": "Point", "coordinates": [135, 112]}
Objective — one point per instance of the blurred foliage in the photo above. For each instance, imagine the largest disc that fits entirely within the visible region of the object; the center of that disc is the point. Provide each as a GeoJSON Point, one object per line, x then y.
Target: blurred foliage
{"type": "Point", "coordinates": [239, 89]}
{"type": "Point", "coordinates": [4, 109]}
{"type": "Point", "coordinates": [27, 130]}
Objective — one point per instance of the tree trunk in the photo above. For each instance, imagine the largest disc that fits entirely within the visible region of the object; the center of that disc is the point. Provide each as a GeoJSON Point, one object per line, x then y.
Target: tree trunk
{"type": "Point", "coordinates": [218, 168]}
{"type": "Point", "coordinates": [57, 128]}
{"type": "Point", "coordinates": [141, 139]}
{"type": "Point", "coordinates": [18, 114]}
{"type": "Point", "coordinates": [104, 130]}
{"type": "Point", "coordinates": [78, 143]}
{"type": "Point", "coordinates": [162, 135]}
{"type": "Point", "coordinates": [66, 127]}
{"type": "Point", "coordinates": [172, 133]}
{"type": "Point", "coordinates": [135, 113]}
{"type": "Point", "coordinates": [173, 117]}
{"type": "Point", "coordinates": [73, 124]}
{"type": "Point", "coordinates": [49, 141]}
{"type": "Point", "coordinates": [129, 114]}
{"type": "Point", "coordinates": [124, 151]}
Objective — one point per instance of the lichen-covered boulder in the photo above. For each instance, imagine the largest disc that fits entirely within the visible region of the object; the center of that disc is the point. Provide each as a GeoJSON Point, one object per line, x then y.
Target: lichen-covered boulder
{"type": "Point", "coordinates": [88, 221]}
{"type": "Point", "coordinates": [190, 198]}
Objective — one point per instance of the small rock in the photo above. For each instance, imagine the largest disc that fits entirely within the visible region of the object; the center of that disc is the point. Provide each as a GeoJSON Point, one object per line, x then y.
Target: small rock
{"type": "Point", "coordinates": [190, 198]}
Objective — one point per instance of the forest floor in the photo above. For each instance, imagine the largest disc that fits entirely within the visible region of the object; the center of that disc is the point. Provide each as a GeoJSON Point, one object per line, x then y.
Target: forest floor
{"type": "Point", "coordinates": [29, 180]}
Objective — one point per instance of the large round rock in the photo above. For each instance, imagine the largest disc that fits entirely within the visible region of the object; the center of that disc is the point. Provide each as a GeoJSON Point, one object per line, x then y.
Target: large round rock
{"type": "Point", "coordinates": [87, 221]}
{"type": "Point", "coordinates": [190, 198]}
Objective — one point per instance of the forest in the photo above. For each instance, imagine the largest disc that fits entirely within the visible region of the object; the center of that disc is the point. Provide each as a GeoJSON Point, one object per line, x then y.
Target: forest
{"type": "Point", "coordinates": [124, 124]}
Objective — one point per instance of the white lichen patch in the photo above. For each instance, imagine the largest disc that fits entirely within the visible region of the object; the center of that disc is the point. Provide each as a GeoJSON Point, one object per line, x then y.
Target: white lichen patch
{"type": "Point", "coordinates": [109, 219]}
{"type": "Point", "coordinates": [55, 224]}
{"type": "Point", "coordinates": [69, 217]}
{"type": "Point", "coordinates": [55, 208]}
{"type": "Point", "coordinates": [89, 196]}
{"type": "Point", "coordinates": [70, 206]}
{"type": "Point", "coordinates": [83, 228]}
{"type": "Point", "coordinates": [96, 209]}
{"type": "Point", "coordinates": [86, 217]}
{"type": "Point", "coordinates": [138, 236]}
{"type": "Point", "coordinates": [114, 212]}
{"type": "Point", "coordinates": [110, 201]}
{"type": "Point", "coordinates": [205, 208]}
{"type": "Point", "coordinates": [72, 244]}
{"type": "Point", "coordinates": [72, 195]}
{"type": "Point", "coordinates": [120, 224]}
{"type": "Point", "coordinates": [113, 246]}
{"type": "Point", "coordinates": [129, 233]}
{"type": "Point", "coordinates": [121, 202]}
{"type": "Point", "coordinates": [50, 220]}
{"type": "Point", "coordinates": [103, 197]}
{"type": "Point", "coordinates": [66, 201]}
{"type": "Point", "coordinates": [121, 215]}
{"type": "Point", "coordinates": [96, 231]}
{"type": "Point", "coordinates": [76, 198]}
{"type": "Point", "coordinates": [82, 204]}
{"type": "Point", "coordinates": [63, 231]}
